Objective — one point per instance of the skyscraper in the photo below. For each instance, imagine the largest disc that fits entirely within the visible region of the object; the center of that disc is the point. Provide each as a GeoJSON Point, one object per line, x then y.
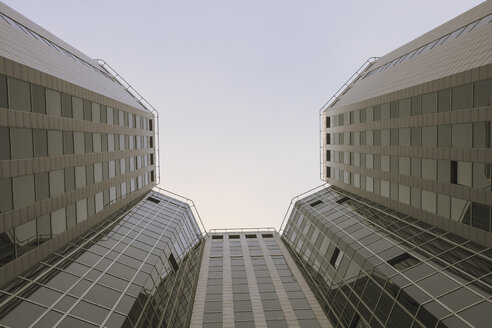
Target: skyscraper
{"type": "Point", "coordinates": [402, 236]}
{"type": "Point", "coordinates": [248, 279]}
{"type": "Point", "coordinates": [76, 143]}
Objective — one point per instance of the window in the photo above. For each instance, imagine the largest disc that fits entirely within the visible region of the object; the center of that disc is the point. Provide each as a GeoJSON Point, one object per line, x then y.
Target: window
{"type": "Point", "coordinates": [444, 135]}
{"type": "Point", "coordinates": [153, 200]}
{"type": "Point", "coordinates": [403, 261]}
{"type": "Point", "coordinates": [77, 108]}
{"type": "Point", "coordinates": [53, 103]}
{"type": "Point", "coordinates": [482, 94]}
{"type": "Point", "coordinates": [19, 95]}
{"type": "Point", "coordinates": [38, 99]}
{"type": "Point", "coordinates": [55, 143]}
{"type": "Point", "coordinates": [96, 113]}
{"type": "Point", "coordinates": [444, 100]}
{"type": "Point", "coordinates": [462, 97]}
{"type": "Point", "coordinates": [336, 258]}
{"type": "Point", "coordinates": [429, 136]}
{"type": "Point", "coordinates": [429, 103]}
{"type": "Point", "coordinates": [428, 201]}
{"type": "Point", "coordinates": [313, 204]}
{"type": "Point", "coordinates": [21, 143]}
{"type": "Point", "coordinates": [23, 190]}
{"type": "Point", "coordinates": [217, 237]}
{"type": "Point", "coordinates": [462, 135]}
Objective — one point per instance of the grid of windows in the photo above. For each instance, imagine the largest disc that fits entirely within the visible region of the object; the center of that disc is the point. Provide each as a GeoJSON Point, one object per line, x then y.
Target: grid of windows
{"type": "Point", "coordinates": [393, 270]}
{"type": "Point", "coordinates": [251, 257]}
{"type": "Point", "coordinates": [139, 268]}
{"type": "Point", "coordinates": [354, 165]}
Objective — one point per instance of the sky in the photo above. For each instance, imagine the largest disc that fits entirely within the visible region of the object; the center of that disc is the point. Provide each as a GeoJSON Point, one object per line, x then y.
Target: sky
{"type": "Point", "coordinates": [238, 84]}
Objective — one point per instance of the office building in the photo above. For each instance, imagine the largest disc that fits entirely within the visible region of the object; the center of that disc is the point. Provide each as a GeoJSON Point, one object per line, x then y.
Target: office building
{"type": "Point", "coordinates": [76, 145]}
{"type": "Point", "coordinates": [248, 279]}
{"type": "Point", "coordinates": [412, 131]}
{"type": "Point", "coordinates": [402, 236]}
{"type": "Point", "coordinates": [137, 268]}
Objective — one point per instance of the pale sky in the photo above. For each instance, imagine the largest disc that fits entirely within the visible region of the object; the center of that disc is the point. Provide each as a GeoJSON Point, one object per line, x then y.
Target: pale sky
{"type": "Point", "coordinates": [238, 84]}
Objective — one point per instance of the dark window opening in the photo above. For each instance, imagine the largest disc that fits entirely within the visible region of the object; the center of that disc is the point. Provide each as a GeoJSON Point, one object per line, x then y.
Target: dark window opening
{"type": "Point", "coordinates": [328, 122]}
{"type": "Point", "coordinates": [250, 236]}
{"type": "Point", "coordinates": [335, 261]}
{"type": "Point", "coordinates": [328, 172]}
{"type": "Point", "coordinates": [150, 125]}
{"type": "Point", "coordinates": [152, 178]}
{"type": "Point", "coordinates": [328, 156]}
{"type": "Point", "coordinates": [454, 172]}
{"type": "Point", "coordinates": [355, 321]}
{"type": "Point", "coordinates": [342, 200]}
{"type": "Point", "coordinates": [151, 159]}
{"type": "Point", "coordinates": [154, 200]}
{"type": "Point", "coordinates": [151, 142]}
{"type": "Point", "coordinates": [217, 237]}
{"type": "Point", "coordinates": [403, 261]}
{"type": "Point", "coordinates": [267, 235]}
{"type": "Point", "coordinates": [313, 204]}
{"type": "Point", "coordinates": [173, 262]}
{"type": "Point", "coordinates": [327, 138]}
{"type": "Point", "coordinates": [233, 236]}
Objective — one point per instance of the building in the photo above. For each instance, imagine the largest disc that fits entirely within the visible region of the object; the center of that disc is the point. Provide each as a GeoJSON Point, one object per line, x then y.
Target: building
{"type": "Point", "coordinates": [76, 144]}
{"type": "Point", "coordinates": [412, 132]}
{"type": "Point", "coordinates": [402, 237]}
{"type": "Point", "coordinates": [249, 279]}
{"type": "Point", "coordinates": [137, 268]}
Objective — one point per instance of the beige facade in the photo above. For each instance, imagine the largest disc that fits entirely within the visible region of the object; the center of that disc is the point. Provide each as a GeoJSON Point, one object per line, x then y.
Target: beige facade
{"type": "Point", "coordinates": [249, 279]}
{"type": "Point", "coordinates": [413, 131]}
{"type": "Point", "coordinates": [75, 145]}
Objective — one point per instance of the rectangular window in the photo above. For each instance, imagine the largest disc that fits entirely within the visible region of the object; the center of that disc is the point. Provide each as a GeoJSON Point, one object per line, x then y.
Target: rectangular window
{"type": "Point", "coordinates": [444, 100]}
{"type": "Point", "coordinates": [462, 97]}
{"type": "Point", "coordinates": [403, 261]}
{"type": "Point", "coordinates": [482, 93]}
{"type": "Point", "coordinates": [336, 258]}
{"type": "Point", "coordinates": [429, 103]}
{"type": "Point", "coordinates": [19, 95]}
{"type": "Point", "coordinates": [327, 121]}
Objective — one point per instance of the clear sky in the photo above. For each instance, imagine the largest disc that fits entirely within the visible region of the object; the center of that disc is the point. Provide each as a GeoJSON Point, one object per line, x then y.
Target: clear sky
{"type": "Point", "coordinates": [238, 84]}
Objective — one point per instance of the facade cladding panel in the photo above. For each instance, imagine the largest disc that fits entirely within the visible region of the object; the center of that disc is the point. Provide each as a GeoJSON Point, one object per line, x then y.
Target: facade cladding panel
{"type": "Point", "coordinates": [137, 268]}
{"type": "Point", "coordinates": [75, 147]}
{"type": "Point", "coordinates": [248, 279]}
{"type": "Point", "coordinates": [370, 266]}
{"type": "Point", "coordinates": [413, 131]}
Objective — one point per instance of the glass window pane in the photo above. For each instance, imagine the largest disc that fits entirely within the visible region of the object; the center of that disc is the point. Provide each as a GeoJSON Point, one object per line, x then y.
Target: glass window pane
{"type": "Point", "coordinates": [404, 137]}
{"type": "Point", "coordinates": [23, 189]}
{"type": "Point", "coordinates": [38, 99]}
{"type": "Point", "coordinates": [429, 168]}
{"type": "Point", "coordinates": [19, 95]}
{"type": "Point", "coordinates": [429, 103]}
{"type": "Point", "coordinates": [21, 143]}
{"type": "Point", "coordinates": [4, 143]}
{"type": "Point", "coordinates": [96, 113]}
{"type": "Point", "coordinates": [6, 192]}
{"type": "Point", "coordinates": [428, 201]}
{"type": "Point", "coordinates": [482, 93]}
{"type": "Point", "coordinates": [429, 136]}
{"type": "Point", "coordinates": [444, 135]}
{"type": "Point", "coordinates": [462, 97]}
{"type": "Point", "coordinates": [55, 143]}
{"type": "Point", "coordinates": [462, 135]}
{"type": "Point", "coordinates": [481, 135]}
{"type": "Point", "coordinates": [57, 182]}
{"type": "Point", "coordinates": [465, 173]}
{"type": "Point", "coordinates": [53, 103]}
{"type": "Point", "coordinates": [444, 100]}
{"type": "Point", "coordinates": [77, 108]}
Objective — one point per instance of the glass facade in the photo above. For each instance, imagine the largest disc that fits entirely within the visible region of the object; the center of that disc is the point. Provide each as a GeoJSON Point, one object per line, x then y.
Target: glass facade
{"type": "Point", "coordinates": [138, 268]}
{"type": "Point", "coordinates": [371, 266]}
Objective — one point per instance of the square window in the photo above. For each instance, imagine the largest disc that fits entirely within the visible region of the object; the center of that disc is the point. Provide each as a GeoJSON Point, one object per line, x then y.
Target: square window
{"type": "Point", "coordinates": [429, 136]}
{"type": "Point", "coordinates": [462, 135]}
{"type": "Point", "coordinates": [23, 190]}
{"type": "Point", "coordinates": [21, 143]}
{"type": "Point", "coordinates": [19, 95]}
{"type": "Point", "coordinates": [429, 169]}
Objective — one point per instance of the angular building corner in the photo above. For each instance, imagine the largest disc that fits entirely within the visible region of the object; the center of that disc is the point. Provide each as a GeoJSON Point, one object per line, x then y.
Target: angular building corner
{"type": "Point", "coordinates": [400, 236]}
